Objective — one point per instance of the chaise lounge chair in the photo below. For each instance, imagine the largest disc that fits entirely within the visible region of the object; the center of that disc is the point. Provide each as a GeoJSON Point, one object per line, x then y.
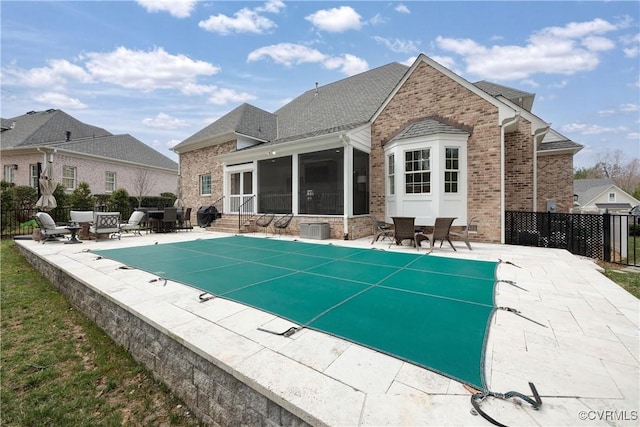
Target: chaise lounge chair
{"type": "Point", "coordinates": [440, 232]}
{"type": "Point", "coordinates": [49, 228]}
{"type": "Point", "coordinates": [133, 224]}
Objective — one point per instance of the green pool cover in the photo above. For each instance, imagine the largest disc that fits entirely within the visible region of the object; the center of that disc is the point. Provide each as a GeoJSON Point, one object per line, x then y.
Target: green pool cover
{"type": "Point", "coordinates": [430, 311]}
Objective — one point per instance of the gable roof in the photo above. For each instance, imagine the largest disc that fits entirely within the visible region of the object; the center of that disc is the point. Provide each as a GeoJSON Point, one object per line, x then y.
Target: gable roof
{"type": "Point", "coordinates": [555, 141]}
{"type": "Point", "coordinates": [57, 129]}
{"type": "Point", "coordinates": [342, 105]}
{"type": "Point", "coordinates": [45, 128]}
{"type": "Point", "coordinates": [589, 189]}
{"type": "Point", "coordinates": [243, 120]}
{"type": "Point", "coordinates": [518, 97]}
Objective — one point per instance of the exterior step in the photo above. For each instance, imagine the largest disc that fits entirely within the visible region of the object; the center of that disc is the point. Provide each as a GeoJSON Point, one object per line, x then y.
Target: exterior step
{"type": "Point", "coordinates": [229, 224]}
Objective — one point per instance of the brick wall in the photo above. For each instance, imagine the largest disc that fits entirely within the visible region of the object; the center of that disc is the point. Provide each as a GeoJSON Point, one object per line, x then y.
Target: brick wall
{"type": "Point", "coordinates": [555, 181]}
{"type": "Point", "coordinates": [200, 162]}
{"type": "Point", "coordinates": [216, 397]}
{"type": "Point", "coordinates": [93, 173]}
{"type": "Point", "coordinates": [519, 168]}
{"type": "Point", "coordinates": [429, 93]}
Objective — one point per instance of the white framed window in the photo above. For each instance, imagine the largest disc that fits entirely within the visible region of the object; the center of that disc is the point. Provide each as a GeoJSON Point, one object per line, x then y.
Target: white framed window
{"type": "Point", "coordinates": [34, 179]}
{"type": "Point", "coordinates": [109, 182]}
{"type": "Point", "coordinates": [417, 171]}
{"type": "Point", "coordinates": [69, 177]}
{"type": "Point", "coordinates": [612, 197]}
{"type": "Point", "coordinates": [391, 173]}
{"type": "Point", "coordinates": [9, 173]}
{"type": "Point", "coordinates": [205, 185]}
{"type": "Point", "coordinates": [451, 170]}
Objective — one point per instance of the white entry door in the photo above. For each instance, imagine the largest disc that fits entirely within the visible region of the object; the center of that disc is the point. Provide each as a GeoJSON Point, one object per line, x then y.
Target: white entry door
{"type": "Point", "coordinates": [241, 192]}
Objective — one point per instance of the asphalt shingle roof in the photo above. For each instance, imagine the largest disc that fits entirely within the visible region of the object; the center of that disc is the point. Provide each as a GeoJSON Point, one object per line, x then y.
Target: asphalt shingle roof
{"type": "Point", "coordinates": [589, 189]}
{"type": "Point", "coordinates": [120, 147]}
{"type": "Point", "coordinates": [554, 140]}
{"type": "Point", "coordinates": [45, 128]}
{"type": "Point", "coordinates": [495, 89]}
{"type": "Point", "coordinates": [427, 127]}
{"type": "Point", "coordinates": [245, 119]}
{"type": "Point", "coordinates": [344, 104]}
{"type": "Point", "coordinates": [49, 129]}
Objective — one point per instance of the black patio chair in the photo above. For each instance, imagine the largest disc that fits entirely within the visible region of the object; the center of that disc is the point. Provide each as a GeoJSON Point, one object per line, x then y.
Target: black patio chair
{"type": "Point", "coordinates": [281, 225]}
{"type": "Point", "coordinates": [264, 221]}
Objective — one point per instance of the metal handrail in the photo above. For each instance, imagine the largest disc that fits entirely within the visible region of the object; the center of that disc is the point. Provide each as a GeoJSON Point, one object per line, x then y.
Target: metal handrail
{"type": "Point", "coordinates": [219, 205]}
{"type": "Point", "coordinates": [242, 216]}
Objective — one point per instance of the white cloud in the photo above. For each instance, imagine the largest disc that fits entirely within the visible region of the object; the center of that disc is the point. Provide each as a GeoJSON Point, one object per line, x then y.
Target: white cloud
{"type": "Point", "coordinates": [633, 45]}
{"type": "Point", "coordinates": [244, 21]}
{"type": "Point", "coordinates": [216, 95]}
{"type": "Point", "coordinates": [553, 50]}
{"type": "Point", "coordinates": [634, 136]}
{"type": "Point", "coordinates": [530, 83]}
{"type": "Point", "coordinates": [591, 129]}
{"type": "Point", "coordinates": [59, 100]}
{"type": "Point", "coordinates": [348, 64]}
{"type": "Point", "coordinates": [377, 19]}
{"type": "Point", "coordinates": [397, 45]}
{"type": "Point", "coordinates": [606, 113]}
{"type": "Point", "coordinates": [598, 43]}
{"type": "Point", "coordinates": [401, 8]}
{"type": "Point", "coordinates": [164, 121]}
{"type": "Point", "coordinates": [177, 8]}
{"type": "Point", "coordinates": [146, 70]}
{"type": "Point", "coordinates": [630, 108]}
{"type": "Point", "coordinates": [289, 54]}
{"type": "Point", "coordinates": [336, 20]}
{"type": "Point", "coordinates": [54, 76]}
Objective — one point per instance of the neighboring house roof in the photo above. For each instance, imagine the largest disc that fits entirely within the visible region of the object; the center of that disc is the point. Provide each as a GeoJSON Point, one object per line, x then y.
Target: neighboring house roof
{"type": "Point", "coordinates": [519, 97]}
{"type": "Point", "coordinates": [56, 129]}
{"type": "Point", "coordinates": [426, 127]}
{"type": "Point", "coordinates": [120, 147]}
{"type": "Point", "coordinates": [45, 128]}
{"type": "Point", "coordinates": [588, 190]}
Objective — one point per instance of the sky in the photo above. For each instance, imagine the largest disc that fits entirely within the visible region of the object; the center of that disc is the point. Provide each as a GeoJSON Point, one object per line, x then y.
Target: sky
{"type": "Point", "coordinates": [161, 70]}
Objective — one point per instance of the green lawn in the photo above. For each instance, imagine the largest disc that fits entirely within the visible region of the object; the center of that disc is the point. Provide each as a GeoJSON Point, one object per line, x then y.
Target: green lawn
{"type": "Point", "coordinates": [60, 369]}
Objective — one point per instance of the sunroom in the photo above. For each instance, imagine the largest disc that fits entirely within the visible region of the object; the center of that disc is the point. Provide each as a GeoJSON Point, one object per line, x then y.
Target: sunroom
{"type": "Point", "coordinates": [324, 177]}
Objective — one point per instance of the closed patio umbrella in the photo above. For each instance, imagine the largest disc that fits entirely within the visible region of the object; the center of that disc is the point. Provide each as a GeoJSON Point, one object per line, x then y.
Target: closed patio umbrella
{"type": "Point", "coordinates": [47, 202]}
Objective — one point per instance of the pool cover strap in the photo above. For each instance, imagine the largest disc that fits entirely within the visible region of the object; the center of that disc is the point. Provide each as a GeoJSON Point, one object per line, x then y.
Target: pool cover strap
{"type": "Point", "coordinates": [536, 402]}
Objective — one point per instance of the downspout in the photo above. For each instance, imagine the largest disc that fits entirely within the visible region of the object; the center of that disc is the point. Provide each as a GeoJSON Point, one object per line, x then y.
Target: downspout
{"type": "Point", "coordinates": [506, 123]}
{"type": "Point", "coordinates": [347, 185]}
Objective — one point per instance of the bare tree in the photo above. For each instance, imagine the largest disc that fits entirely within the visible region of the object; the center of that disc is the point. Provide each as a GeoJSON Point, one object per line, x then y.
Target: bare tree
{"type": "Point", "coordinates": [624, 172]}
{"type": "Point", "coordinates": [142, 184]}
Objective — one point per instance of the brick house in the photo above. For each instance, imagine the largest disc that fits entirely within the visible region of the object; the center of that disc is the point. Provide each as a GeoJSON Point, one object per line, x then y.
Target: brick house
{"type": "Point", "coordinates": [81, 153]}
{"type": "Point", "coordinates": [415, 141]}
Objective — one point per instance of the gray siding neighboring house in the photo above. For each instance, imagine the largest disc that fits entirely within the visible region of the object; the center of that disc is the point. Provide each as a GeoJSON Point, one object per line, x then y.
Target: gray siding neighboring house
{"type": "Point", "coordinates": [79, 152]}
{"type": "Point", "coordinates": [600, 196]}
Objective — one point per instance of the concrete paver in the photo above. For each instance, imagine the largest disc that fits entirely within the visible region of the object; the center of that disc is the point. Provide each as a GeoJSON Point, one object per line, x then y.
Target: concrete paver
{"type": "Point", "coordinates": [579, 343]}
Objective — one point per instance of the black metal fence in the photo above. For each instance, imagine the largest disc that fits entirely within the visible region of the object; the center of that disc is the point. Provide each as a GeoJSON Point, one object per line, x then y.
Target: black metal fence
{"type": "Point", "coordinates": [16, 222]}
{"type": "Point", "coordinates": [608, 237]}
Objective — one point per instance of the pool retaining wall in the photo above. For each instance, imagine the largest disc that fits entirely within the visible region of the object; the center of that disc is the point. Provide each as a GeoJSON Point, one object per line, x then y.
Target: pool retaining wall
{"type": "Point", "coordinates": [215, 396]}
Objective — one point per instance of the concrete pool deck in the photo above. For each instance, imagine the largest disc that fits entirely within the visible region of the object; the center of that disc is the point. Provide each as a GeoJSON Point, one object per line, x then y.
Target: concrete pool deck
{"type": "Point", "coordinates": [578, 342]}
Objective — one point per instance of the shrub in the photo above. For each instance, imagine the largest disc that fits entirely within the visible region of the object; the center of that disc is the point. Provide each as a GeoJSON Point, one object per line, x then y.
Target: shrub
{"type": "Point", "coordinates": [119, 202]}
{"type": "Point", "coordinates": [81, 198]}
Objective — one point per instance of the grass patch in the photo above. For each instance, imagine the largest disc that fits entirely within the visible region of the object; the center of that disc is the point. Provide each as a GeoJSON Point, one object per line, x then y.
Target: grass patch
{"type": "Point", "coordinates": [58, 368]}
{"type": "Point", "coordinates": [630, 281]}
